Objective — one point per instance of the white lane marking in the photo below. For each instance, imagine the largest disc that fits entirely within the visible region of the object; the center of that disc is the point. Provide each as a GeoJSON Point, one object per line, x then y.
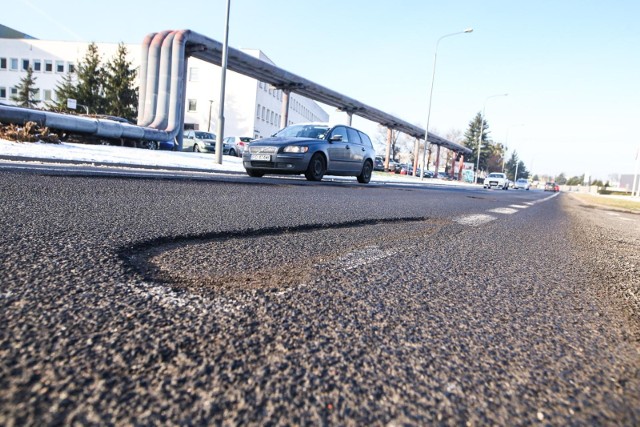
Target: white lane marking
{"type": "Point", "coordinates": [518, 206]}
{"type": "Point", "coordinates": [365, 256]}
{"type": "Point", "coordinates": [474, 220]}
{"type": "Point", "coordinates": [506, 211]}
{"type": "Point", "coordinates": [545, 199]}
{"type": "Point", "coordinates": [613, 213]}
{"type": "Point", "coordinates": [625, 219]}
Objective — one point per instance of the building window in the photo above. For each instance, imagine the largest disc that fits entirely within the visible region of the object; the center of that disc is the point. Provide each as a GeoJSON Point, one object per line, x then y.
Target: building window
{"type": "Point", "coordinates": [260, 85]}
{"type": "Point", "coordinates": [37, 65]}
{"type": "Point", "coordinates": [263, 112]}
{"type": "Point", "coordinates": [3, 63]}
{"type": "Point", "coordinates": [194, 74]}
{"type": "Point", "coordinates": [25, 64]}
{"type": "Point", "coordinates": [36, 96]}
{"type": "Point", "coordinates": [71, 67]}
{"type": "Point", "coordinates": [258, 112]}
{"type": "Point", "coordinates": [47, 94]}
{"type": "Point", "coordinates": [59, 66]}
{"type": "Point", "coordinates": [14, 64]}
{"type": "Point", "coordinates": [3, 93]}
{"type": "Point", "coordinates": [272, 118]}
{"type": "Point", "coordinates": [14, 91]}
{"type": "Point", "coordinates": [193, 104]}
{"type": "Point", "coordinates": [48, 66]}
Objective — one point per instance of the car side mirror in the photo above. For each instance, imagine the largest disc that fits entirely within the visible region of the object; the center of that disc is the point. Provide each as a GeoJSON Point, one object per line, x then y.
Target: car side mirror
{"type": "Point", "coordinates": [335, 138]}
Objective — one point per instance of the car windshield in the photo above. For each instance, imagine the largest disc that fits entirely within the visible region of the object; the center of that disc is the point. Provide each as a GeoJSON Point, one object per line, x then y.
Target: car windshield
{"type": "Point", "coordinates": [495, 175]}
{"type": "Point", "coordinates": [304, 131]}
{"type": "Point", "coordinates": [205, 135]}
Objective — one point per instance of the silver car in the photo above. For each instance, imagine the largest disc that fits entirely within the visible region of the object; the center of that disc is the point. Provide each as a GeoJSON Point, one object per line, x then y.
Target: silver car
{"type": "Point", "coordinates": [522, 183]}
{"type": "Point", "coordinates": [312, 149]}
{"type": "Point", "coordinates": [199, 141]}
{"type": "Point", "coordinates": [237, 144]}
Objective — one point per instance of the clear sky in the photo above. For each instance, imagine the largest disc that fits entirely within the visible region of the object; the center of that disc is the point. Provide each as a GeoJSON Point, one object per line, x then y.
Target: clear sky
{"type": "Point", "coordinates": [571, 67]}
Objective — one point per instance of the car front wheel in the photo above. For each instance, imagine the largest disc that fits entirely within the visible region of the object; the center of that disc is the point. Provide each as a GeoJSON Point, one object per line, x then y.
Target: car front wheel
{"type": "Point", "coordinates": [232, 152]}
{"type": "Point", "coordinates": [196, 148]}
{"type": "Point", "coordinates": [255, 173]}
{"type": "Point", "coordinates": [316, 169]}
{"type": "Point", "coordinates": [152, 145]}
{"type": "Point", "coordinates": [365, 175]}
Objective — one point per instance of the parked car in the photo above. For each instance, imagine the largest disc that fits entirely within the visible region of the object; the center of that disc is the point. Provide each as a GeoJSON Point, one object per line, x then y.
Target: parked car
{"type": "Point", "coordinates": [169, 145]}
{"type": "Point", "coordinates": [442, 175]}
{"type": "Point", "coordinates": [497, 180]}
{"type": "Point", "coordinates": [195, 140]}
{"type": "Point", "coordinates": [522, 183]}
{"type": "Point", "coordinates": [394, 167]}
{"type": "Point", "coordinates": [312, 149]}
{"type": "Point", "coordinates": [427, 173]}
{"type": "Point", "coordinates": [551, 186]}
{"type": "Point", "coordinates": [406, 169]}
{"type": "Point", "coordinates": [378, 164]}
{"type": "Point", "coordinates": [237, 144]}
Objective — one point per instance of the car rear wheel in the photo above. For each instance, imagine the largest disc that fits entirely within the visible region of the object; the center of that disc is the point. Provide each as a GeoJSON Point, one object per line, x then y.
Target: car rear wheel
{"type": "Point", "coordinates": [365, 175]}
{"type": "Point", "coordinates": [152, 145]}
{"type": "Point", "coordinates": [316, 169]}
{"type": "Point", "coordinates": [232, 152]}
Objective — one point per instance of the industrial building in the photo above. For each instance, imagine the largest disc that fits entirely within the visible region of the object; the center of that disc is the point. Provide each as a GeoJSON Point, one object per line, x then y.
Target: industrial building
{"type": "Point", "coordinates": [252, 108]}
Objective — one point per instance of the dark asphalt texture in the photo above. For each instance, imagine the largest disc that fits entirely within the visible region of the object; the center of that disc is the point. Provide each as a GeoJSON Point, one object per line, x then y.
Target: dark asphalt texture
{"type": "Point", "coordinates": [203, 302]}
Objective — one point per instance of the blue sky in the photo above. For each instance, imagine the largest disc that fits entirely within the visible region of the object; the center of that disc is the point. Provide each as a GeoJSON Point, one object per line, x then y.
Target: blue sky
{"type": "Point", "coordinates": [571, 68]}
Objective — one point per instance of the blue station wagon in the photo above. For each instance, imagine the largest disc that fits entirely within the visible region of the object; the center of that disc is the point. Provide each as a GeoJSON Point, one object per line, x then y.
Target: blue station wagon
{"type": "Point", "coordinates": [312, 149]}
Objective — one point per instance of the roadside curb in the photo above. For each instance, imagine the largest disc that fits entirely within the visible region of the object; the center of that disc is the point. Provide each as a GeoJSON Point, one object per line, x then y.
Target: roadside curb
{"type": "Point", "coordinates": [115, 165]}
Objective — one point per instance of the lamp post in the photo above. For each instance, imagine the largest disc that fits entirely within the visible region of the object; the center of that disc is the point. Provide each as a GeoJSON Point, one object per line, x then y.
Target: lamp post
{"type": "Point", "coordinates": [482, 130]}
{"type": "Point", "coordinates": [209, 123]}
{"type": "Point", "coordinates": [426, 132]}
{"type": "Point", "coordinates": [223, 77]}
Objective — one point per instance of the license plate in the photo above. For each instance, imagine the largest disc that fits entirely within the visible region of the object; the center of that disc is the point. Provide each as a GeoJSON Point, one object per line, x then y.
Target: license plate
{"type": "Point", "coordinates": [261, 157]}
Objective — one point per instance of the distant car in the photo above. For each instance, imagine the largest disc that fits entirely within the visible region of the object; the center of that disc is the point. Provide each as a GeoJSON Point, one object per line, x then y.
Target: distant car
{"type": "Point", "coordinates": [442, 175]}
{"type": "Point", "coordinates": [169, 145]}
{"type": "Point", "coordinates": [378, 164]}
{"type": "Point", "coordinates": [551, 186]}
{"type": "Point", "coordinates": [497, 180]}
{"type": "Point", "coordinates": [522, 183]}
{"type": "Point", "coordinates": [406, 169]}
{"type": "Point", "coordinates": [394, 167]}
{"type": "Point", "coordinates": [237, 144]}
{"type": "Point", "coordinates": [427, 173]}
{"type": "Point", "coordinates": [198, 141]}
{"type": "Point", "coordinates": [312, 149]}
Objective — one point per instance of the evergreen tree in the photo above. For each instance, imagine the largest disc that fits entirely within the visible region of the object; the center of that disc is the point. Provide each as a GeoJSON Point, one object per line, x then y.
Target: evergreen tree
{"type": "Point", "coordinates": [120, 90]}
{"type": "Point", "coordinates": [90, 87]}
{"type": "Point", "coordinates": [510, 166]}
{"type": "Point", "coordinates": [27, 91]}
{"type": "Point", "coordinates": [65, 90]}
{"type": "Point", "coordinates": [471, 141]}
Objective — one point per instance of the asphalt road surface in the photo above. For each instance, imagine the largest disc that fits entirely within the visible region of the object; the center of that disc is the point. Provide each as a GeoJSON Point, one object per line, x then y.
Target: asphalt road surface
{"type": "Point", "coordinates": [157, 301]}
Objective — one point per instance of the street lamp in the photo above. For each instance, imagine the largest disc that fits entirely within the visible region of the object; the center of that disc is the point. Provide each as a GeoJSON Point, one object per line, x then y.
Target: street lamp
{"type": "Point", "coordinates": [426, 133]}
{"type": "Point", "coordinates": [482, 130]}
{"type": "Point", "coordinates": [223, 77]}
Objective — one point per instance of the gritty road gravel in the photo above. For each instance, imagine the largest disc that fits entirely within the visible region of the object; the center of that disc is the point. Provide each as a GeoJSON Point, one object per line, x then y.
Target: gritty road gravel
{"type": "Point", "coordinates": [182, 302]}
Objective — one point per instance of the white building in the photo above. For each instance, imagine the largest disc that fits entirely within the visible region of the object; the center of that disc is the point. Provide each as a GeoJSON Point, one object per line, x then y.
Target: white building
{"type": "Point", "coordinates": [252, 108]}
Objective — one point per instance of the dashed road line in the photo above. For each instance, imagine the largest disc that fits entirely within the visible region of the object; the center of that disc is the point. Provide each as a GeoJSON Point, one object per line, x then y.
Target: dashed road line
{"type": "Point", "coordinates": [518, 206]}
{"type": "Point", "coordinates": [474, 220]}
{"type": "Point", "coordinates": [506, 211]}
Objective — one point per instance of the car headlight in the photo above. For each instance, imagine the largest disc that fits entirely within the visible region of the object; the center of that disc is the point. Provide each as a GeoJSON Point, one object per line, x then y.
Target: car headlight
{"type": "Point", "coordinates": [295, 149]}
